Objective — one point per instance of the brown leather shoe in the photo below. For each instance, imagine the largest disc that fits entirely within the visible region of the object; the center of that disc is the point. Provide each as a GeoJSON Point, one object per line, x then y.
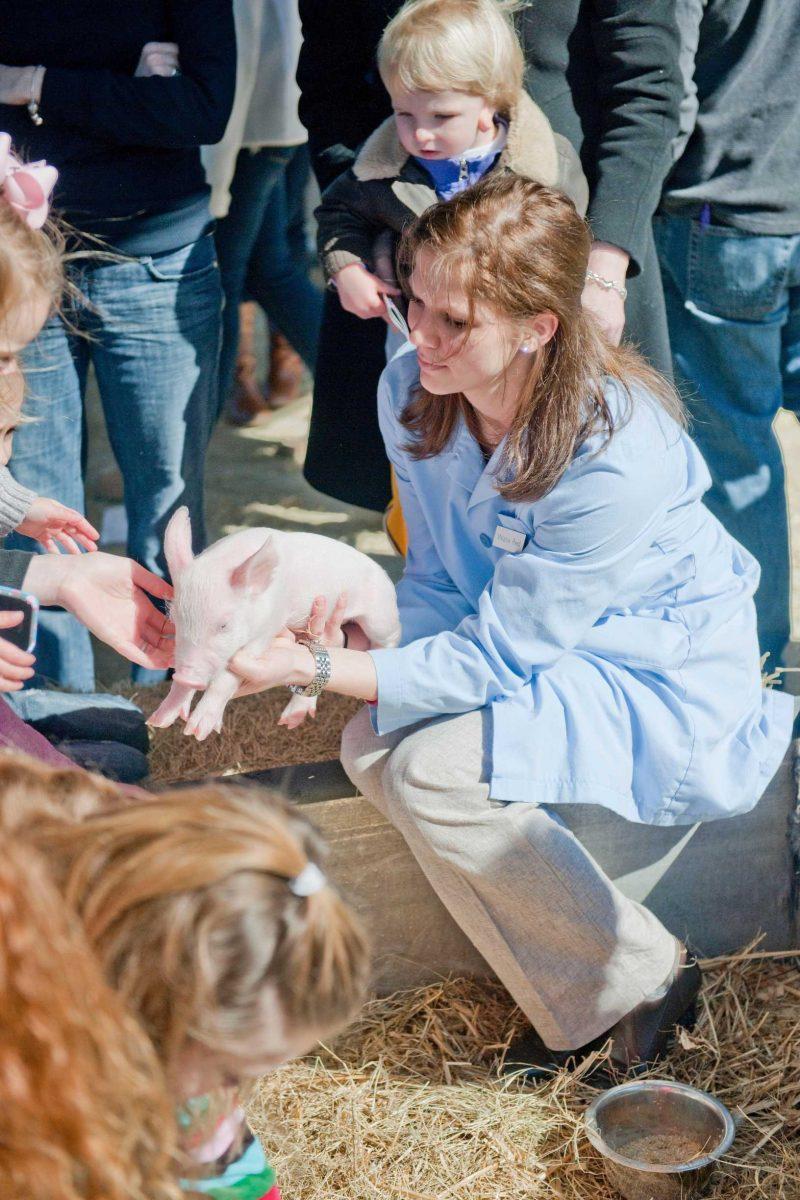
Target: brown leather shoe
{"type": "Point", "coordinates": [246, 405]}
{"type": "Point", "coordinates": [638, 1039]}
{"type": "Point", "coordinates": [285, 372]}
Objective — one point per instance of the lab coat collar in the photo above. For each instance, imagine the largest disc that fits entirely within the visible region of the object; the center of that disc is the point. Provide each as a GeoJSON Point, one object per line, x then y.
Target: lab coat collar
{"type": "Point", "coordinates": [467, 468]}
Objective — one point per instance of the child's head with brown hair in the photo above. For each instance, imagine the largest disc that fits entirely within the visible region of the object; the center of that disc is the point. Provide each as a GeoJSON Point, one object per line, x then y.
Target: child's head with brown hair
{"type": "Point", "coordinates": [188, 904]}
{"type": "Point", "coordinates": [494, 279]}
{"type": "Point", "coordinates": [450, 66]}
{"type": "Point", "coordinates": [187, 899]}
{"type": "Point", "coordinates": [84, 1111]}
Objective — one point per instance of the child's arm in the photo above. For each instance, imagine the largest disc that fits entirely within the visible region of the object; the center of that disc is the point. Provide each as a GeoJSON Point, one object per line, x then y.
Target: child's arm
{"type": "Point", "coordinates": [15, 502]}
{"type": "Point", "coordinates": [346, 232]}
{"type": "Point", "coordinates": [50, 523]}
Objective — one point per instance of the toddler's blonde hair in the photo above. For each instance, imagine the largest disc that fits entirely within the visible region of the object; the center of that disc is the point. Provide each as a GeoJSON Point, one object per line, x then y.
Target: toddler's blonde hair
{"type": "Point", "coordinates": [460, 45]}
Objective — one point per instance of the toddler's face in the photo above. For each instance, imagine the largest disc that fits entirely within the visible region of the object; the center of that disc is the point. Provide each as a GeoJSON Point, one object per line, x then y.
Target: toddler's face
{"type": "Point", "coordinates": [441, 124]}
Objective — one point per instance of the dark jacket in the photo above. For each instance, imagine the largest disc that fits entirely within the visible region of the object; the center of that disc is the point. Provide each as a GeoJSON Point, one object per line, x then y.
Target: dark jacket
{"type": "Point", "coordinates": [606, 75]}
{"type": "Point", "coordinates": [122, 145]}
{"type": "Point", "coordinates": [386, 187]}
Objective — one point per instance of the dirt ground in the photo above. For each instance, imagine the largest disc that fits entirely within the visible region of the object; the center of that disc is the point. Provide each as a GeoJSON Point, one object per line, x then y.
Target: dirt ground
{"type": "Point", "coordinates": [254, 478]}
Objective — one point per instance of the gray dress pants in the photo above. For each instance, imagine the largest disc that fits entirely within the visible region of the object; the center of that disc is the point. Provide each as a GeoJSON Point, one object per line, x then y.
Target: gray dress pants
{"type": "Point", "coordinates": [574, 953]}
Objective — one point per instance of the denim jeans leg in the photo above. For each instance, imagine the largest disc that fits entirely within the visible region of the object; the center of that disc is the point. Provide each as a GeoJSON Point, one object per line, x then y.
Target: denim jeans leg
{"type": "Point", "coordinates": [280, 283]}
{"type": "Point", "coordinates": [156, 358]}
{"type": "Point", "coordinates": [298, 173]}
{"type": "Point", "coordinates": [727, 305]}
{"type": "Point", "coordinates": [257, 175]}
{"type": "Point", "coordinates": [47, 457]}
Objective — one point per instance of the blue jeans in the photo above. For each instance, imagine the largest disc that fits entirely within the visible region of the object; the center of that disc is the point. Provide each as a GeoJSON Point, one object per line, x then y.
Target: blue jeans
{"type": "Point", "coordinates": [262, 254]}
{"type": "Point", "coordinates": [150, 326]}
{"type": "Point", "coordinates": [733, 305]}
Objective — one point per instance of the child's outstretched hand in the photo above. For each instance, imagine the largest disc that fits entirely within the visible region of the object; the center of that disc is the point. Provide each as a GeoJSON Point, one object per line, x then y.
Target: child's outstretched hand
{"type": "Point", "coordinates": [361, 292]}
{"type": "Point", "coordinates": [49, 523]}
{"type": "Point", "coordinates": [15, 665]}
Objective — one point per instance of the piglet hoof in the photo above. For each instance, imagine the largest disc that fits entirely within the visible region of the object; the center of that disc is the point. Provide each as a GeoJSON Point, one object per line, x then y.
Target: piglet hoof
{"type": "Point", "coordinates": [297, 710]}
{"type": "Point", "coordinates": [177, 703]}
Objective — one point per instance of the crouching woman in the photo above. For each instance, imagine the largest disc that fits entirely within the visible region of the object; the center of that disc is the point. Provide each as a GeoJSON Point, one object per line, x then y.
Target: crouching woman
{"type": "Point", "coordinates": [577, 626]}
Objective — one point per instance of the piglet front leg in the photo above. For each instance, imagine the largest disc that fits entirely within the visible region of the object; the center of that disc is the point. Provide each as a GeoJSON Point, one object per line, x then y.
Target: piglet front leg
{"type": "Point", "coordinates": [176, 703]}
{"type": "Point", "coordinates": [207, 715]}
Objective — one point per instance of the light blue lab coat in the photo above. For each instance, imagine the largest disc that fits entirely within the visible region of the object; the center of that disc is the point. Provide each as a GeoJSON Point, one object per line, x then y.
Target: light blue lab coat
{"type": "Point", "coordinates": [614, 641]}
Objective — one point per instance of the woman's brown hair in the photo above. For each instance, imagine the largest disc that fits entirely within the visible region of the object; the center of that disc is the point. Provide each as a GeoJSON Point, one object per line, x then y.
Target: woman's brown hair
{"type": "Point", "coordinates": [521, 249]}
{"type": "Point", "coordinates": [183, 903]}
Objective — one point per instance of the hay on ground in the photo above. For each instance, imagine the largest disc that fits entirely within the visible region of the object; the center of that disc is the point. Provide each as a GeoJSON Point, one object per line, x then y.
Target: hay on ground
{"type": "Point", "coordinates": [407, 1104]}
{"type": "Point", "coordinates": [251, 739]}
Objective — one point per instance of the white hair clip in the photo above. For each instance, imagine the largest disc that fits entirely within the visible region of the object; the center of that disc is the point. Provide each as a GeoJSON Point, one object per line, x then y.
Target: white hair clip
{"type": "Point", "coordinates": [308, 882]}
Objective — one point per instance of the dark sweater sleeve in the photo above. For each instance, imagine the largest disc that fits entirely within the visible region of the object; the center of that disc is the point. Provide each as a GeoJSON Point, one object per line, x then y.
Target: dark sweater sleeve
{"type": "Point", "coordinates": [639, 93]}
{"type": "Point", "coordinates": [342, 98]}
{"type": "Point", "coordinates": [189, 109]}
{"type": "Point", "coordinates": [14, 567]}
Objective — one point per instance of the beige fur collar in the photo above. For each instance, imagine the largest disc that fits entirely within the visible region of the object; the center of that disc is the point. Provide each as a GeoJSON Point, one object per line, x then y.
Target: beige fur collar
{"type": "Point", "coordinates": [530, 149]}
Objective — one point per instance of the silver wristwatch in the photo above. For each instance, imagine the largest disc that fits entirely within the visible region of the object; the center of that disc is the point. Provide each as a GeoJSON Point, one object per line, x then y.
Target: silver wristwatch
{"type": "Point", "coordinates": [322, 673]}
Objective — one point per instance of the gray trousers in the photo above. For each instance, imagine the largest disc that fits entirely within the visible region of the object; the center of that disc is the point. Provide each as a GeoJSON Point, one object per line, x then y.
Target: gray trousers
{"type": "Point", "coordinates": [575, 954]}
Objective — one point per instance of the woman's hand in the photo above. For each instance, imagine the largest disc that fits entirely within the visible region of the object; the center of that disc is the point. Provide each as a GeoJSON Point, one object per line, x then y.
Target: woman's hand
{"type": "Point", "coordinates": [109, 595]}
{"type": "Point", "coordinates": [49, 522]}
{"type": "Point", "coordinates": [16, 83]}
{"type": "Point", "coordinates": [15, 665]}
{"type": "Point", "coordinates": [158, 58]}
{"type": "Point", "coordinates": [609, 262]}
{"type": "Point", "coordinates": [361, 292]}
{"type": "Point", "coordinates": [285, 661]}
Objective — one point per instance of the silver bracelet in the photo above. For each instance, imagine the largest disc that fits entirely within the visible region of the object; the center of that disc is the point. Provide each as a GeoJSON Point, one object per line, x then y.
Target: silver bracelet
{"type": "Point", "coordinates": [608, 284]}
{"type": "Point", "coordinates": [322, 669]}
{"type": "Point", "coordinates": [33, 103]}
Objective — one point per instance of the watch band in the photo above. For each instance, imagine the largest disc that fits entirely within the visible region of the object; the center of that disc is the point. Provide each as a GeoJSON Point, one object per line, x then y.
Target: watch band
{"type": "Point", "coordinates": [322, 672]}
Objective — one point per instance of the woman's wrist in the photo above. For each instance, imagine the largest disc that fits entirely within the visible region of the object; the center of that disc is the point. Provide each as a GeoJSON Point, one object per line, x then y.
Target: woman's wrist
{"type": "Point", "coordinates": [47, 578]}
{"type": "Point", "coordinates": [304, 667]}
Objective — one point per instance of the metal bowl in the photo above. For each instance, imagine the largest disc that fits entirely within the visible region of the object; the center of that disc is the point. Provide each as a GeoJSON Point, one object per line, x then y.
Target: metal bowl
{"type": "Point", "coordinates": [636, 1124]}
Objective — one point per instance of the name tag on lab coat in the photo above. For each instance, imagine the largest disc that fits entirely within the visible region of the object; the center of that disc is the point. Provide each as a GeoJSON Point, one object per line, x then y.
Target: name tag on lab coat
{"type": "Point", "coordinates": [512, 540]}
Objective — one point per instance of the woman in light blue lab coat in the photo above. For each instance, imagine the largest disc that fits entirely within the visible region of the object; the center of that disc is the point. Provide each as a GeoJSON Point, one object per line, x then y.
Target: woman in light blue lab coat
{"type": "Point", "coordinates": [576, 626]}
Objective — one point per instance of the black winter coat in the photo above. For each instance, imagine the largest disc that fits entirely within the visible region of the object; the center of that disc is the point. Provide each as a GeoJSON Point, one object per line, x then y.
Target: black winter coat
{"type": "Point", "coordinates": [606, 74]}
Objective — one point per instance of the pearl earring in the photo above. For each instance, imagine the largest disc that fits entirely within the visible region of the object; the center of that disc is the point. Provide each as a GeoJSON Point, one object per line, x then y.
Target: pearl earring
{"type": "Point", "coordinates": [527, 348]}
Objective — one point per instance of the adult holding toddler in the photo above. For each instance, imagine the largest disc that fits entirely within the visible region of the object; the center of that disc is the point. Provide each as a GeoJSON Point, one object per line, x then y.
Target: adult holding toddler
{"type": "Point", "coordinates": [453, 71]}
{"type": "Point", "coordinates": [576, 626]}
{"type": "Point", "coordinates": [120, 98]}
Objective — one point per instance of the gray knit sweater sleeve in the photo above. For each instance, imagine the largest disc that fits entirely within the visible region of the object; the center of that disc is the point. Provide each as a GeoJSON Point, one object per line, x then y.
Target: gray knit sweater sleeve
{"type": "Point", "coordinates": [15, 502]}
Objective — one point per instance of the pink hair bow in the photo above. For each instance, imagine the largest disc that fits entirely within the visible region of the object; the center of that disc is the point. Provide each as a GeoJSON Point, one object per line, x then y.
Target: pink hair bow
{"type": "Point", "coordinates": [26, 186]}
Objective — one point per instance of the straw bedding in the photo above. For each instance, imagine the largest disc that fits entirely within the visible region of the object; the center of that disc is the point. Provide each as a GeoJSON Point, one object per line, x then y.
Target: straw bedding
{"type": "Point", "coordinates": [407, 1104]}
{"type": "Point", "coordinates": [251, 739]}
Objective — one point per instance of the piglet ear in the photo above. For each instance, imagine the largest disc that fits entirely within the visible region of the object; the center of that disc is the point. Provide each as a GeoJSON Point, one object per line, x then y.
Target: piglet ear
{"type": "Point", "coordinates": [255, 573]}
{"type": "Point", "coordinates": [178, 542]}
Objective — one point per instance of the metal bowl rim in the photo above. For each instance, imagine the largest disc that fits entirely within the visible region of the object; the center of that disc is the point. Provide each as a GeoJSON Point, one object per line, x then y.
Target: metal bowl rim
{"type": "Point", "coordinates": [599, 1143]}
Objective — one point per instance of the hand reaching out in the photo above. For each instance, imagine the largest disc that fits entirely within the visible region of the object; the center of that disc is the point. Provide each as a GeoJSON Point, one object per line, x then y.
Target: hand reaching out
{"type": "Point", "coordinates": [15, 665]}
{"type": "Point", "coordinates": [49, 523]}
{"type": "Point", "coordinates": [361, 292]}
{"type": "Point", "coordinates": [109, 595]}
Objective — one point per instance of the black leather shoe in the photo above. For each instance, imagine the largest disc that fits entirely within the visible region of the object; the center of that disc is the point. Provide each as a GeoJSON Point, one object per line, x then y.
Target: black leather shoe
{"type": "Point", "coordinates": [638, 1039]}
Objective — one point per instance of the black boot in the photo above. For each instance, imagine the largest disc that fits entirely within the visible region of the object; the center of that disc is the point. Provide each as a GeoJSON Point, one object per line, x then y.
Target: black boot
{"type": "Point", "coordinates": [638, 1039]}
